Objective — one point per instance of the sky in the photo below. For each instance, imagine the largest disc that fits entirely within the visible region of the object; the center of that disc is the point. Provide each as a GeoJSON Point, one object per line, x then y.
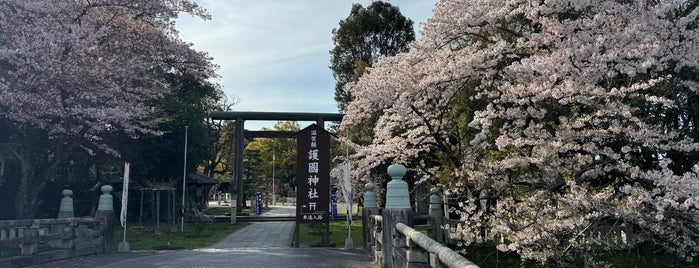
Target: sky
{"type": "Point", "coordinates": [274, 54]}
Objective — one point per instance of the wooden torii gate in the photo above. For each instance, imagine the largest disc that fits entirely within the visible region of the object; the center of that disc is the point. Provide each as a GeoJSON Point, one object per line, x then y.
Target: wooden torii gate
{"type": "Point", "coordinates": [241, 133]}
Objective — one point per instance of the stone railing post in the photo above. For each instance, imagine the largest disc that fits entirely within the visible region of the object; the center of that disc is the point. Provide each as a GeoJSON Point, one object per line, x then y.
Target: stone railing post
{"type": "Point", "coordinates": [65, 210]}
{"type": "Point", "coordinates": [416, 254]}
{"type": "Point", "coordinates": [397, 210]}
{"type": "Point", "coordinates": [30, 245]}
{"type": "Point", "coordinates": [370, 209]}
{"type": "Point", "coordinates": [377, 240]}
{"type": "Point", "coordinates": [437, 214]}
{"type": "Point", "coordinates": [105, 213]}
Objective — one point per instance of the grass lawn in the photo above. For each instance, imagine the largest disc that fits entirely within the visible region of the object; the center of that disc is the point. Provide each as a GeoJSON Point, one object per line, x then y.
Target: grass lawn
{"type": "Point", "coordinates": [170, 237]}
{"type": "Point", "coordinates": [311, 236]}
{"type": "Point", "coordinates": [218, 211]}
{"type": "Point", "coordinates": [6, 251]}
{"type": "Point", "coordinates": [223, 211]}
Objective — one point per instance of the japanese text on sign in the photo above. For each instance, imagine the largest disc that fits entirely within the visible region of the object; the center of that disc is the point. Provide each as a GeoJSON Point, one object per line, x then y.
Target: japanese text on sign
{"type": "Point", "coordinates": [313, 173]}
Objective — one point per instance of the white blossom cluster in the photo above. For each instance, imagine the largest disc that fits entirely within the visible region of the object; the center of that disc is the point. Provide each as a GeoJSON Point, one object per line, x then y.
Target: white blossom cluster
{"type": "Point", "coordinates": [83, 68]}
{"type": "Point", "coordinates": [73, 73]}
{"type": "Point", "coordinates": [570, 117]}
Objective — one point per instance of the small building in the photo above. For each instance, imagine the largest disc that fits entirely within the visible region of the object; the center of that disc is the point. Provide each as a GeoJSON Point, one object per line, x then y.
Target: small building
{"type": "Point", "coordinates": [199, 187]}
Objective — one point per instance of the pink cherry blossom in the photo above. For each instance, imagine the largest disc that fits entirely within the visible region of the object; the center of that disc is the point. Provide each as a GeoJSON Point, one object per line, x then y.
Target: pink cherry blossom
{"type": "Point", "coordinates": [72, 72]}
{"type": "Point", "coordinates": [560, 110]}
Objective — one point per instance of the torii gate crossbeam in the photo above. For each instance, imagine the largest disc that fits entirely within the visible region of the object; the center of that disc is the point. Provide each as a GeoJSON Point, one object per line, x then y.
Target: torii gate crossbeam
{"type": "Point", "coordinates": [241, 117]}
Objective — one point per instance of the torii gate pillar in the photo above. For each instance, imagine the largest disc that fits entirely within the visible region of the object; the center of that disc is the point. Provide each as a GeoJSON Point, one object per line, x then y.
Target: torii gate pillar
{"type": "Point", "coordinates": [238, 158]}
{"type": "Point", "coordinates": [239, 144]}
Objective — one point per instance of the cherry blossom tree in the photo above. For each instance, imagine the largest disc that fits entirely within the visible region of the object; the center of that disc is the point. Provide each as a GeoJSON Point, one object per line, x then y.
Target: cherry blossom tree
{"type": "Point", "coordinates": [553, 120]}
{"type": "Point", "coordinates": [72, 72]}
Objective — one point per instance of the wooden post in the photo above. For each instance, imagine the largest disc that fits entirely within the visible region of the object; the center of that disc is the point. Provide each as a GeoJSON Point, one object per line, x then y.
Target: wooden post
{"type": "Point", "coordinates": [297, 235]}
{"type": "Point", "coordinates": [140, 211]}
{"type": "Point", "coordinates": [238, 166]}
{"type": "Point", "coordinates": [157, 212]}
{"type": "Point", "coordinates": [234, 209]}
{"type": "Point", "coordinates": [397, 210]}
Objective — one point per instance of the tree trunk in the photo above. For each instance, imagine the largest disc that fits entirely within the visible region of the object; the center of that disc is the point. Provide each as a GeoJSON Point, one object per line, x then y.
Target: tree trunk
{"type": "Point", "coordinates": [36, 168]}
{"type": "Point", "coordinates": [25, 200]}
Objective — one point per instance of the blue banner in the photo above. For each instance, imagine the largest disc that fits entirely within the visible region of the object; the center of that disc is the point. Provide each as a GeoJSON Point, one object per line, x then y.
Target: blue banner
{"type": "Point", "coordinates": [333, 207]}
{"type": "Point", "coordinates": [258, 206]}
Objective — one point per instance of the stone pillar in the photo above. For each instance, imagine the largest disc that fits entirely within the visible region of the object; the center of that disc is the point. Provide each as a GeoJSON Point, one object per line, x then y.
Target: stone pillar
{"type": "Point", "coordinates": [106, 201]}
{"type": "Point", "coordinates": [397, 210]}
{"type": "Point", "coordinates": [370, 209]}
{"type": "Point", "coordinates": [437, 215]}
{"type": "Point", "coordinates": [105, 213]}
{"type": "Point", "coordinates": [65, 210]}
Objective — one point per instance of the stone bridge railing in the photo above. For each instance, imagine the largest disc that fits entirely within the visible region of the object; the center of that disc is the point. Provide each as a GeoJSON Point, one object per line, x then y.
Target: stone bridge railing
{"type": "Point", "coordinates": [37, 241]}
{"type": "Point", "coordinates": [394, 235]}
{"type": "Point", "coordinates": [391, 239]}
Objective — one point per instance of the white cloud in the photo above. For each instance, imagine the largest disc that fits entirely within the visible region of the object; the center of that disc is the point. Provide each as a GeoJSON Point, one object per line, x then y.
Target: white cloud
{"type": "Point", "coordinates": [274, 54]}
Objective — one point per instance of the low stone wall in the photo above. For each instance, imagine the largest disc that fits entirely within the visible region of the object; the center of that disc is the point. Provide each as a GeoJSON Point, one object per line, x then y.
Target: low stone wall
{"type": "Point", "coordinates": [39, 241]}
{"type": "Point", "coordinates": [44, 240]}
{"type": "Point", "coordinates": [389, 234]}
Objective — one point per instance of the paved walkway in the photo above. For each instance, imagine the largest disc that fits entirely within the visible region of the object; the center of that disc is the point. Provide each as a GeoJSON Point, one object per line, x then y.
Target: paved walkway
{"type": "Point", "coordinates": [262, 244]}
{"type": "Point", "coordinates": [260, 235]}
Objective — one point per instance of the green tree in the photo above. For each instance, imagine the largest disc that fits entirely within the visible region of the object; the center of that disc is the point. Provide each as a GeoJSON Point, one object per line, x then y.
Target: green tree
{"type": "Point", "coordinates": [253, 173]}
{"type": "Point", "coordinates": [279, 157]}
{"type": "Point", "coordinates": [220, 157]}
{"type": "Point", "coordinates": [365, 35]}
{"type": "Point", "coordinates": [187, 106]}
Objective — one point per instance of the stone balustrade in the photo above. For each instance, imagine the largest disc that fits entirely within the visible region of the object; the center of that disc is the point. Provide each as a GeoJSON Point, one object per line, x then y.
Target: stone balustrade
{"type": "Point", "coordinates": [395, 236]}
{"type": "Point", "coordinates": [43, 240]}
{"type": "Point", "coordinates": [418, 250]}
{"type": "Point", "coordinates": [390, 237]}
{"type": "Point", "coordinates": [38, 241]}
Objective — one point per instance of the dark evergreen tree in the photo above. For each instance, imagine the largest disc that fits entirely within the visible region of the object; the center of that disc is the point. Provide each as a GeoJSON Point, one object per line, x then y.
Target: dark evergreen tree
{"type": "Point", "coordinates": [365, 35]}
{"type": "Point", "coordinates": [188, 105]}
